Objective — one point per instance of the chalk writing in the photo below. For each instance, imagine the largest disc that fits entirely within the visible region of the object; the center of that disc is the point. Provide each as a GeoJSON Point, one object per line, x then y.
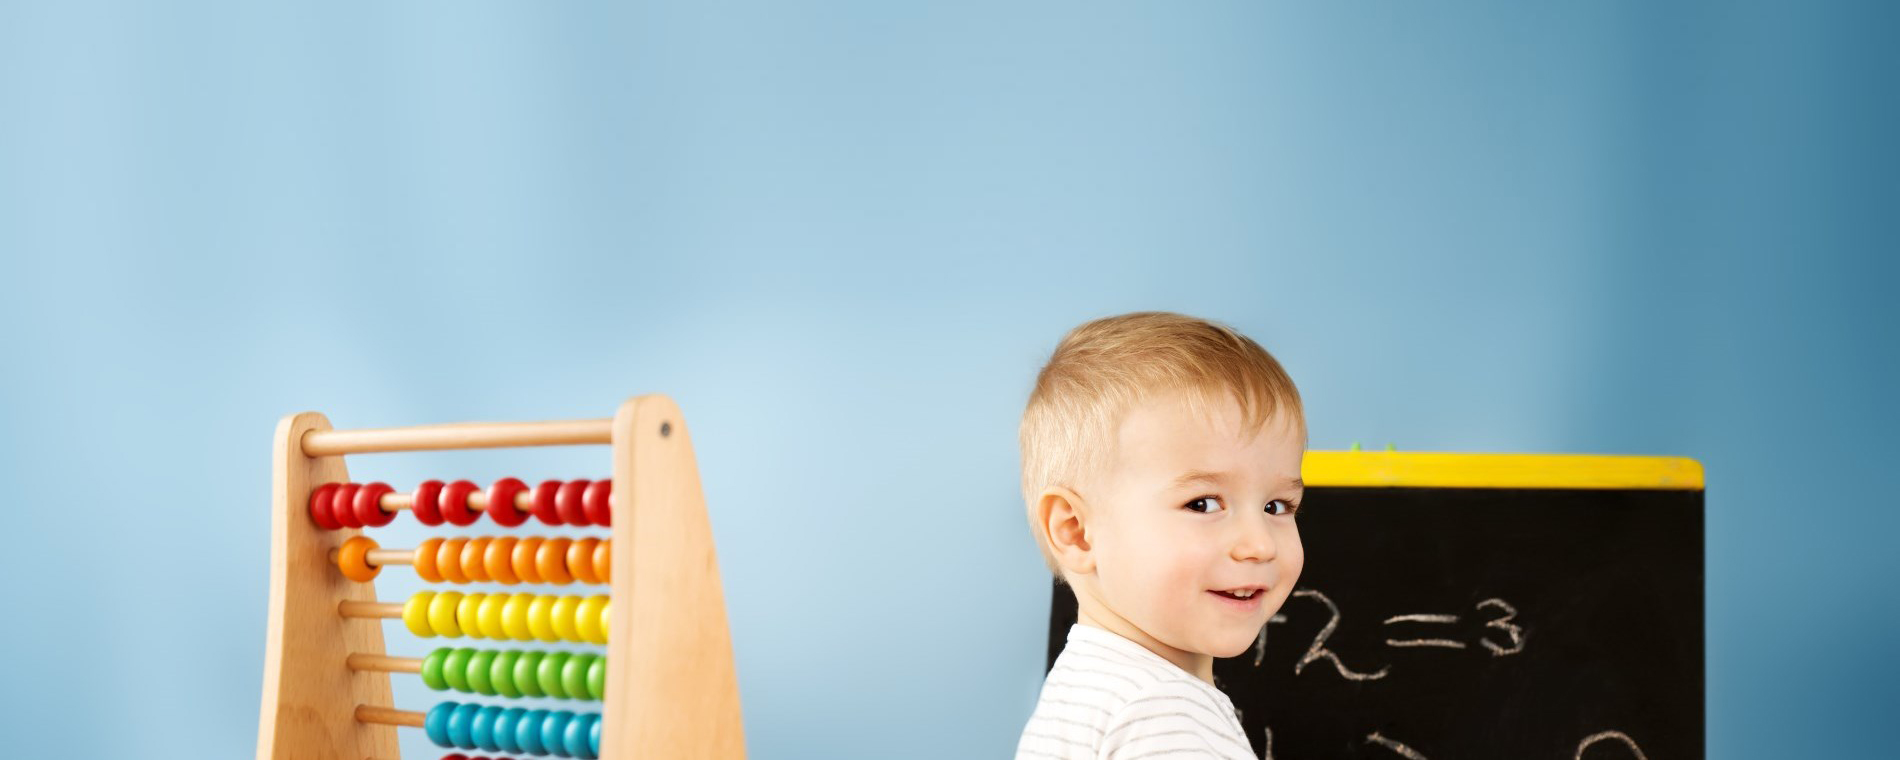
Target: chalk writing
{"type": "Point", "coordinates": [1501, 635]}
{"type": "Point", "coordinates": [1400, 749]}
{"type": "Point", "coordinates": [1500, 625]}
{"type": "Point", "coordinates": [1318, 650]}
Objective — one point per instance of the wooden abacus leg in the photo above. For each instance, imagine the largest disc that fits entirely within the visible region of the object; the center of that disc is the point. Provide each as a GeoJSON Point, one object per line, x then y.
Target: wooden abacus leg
{"type": "Point", "coordinates": [309, 698]}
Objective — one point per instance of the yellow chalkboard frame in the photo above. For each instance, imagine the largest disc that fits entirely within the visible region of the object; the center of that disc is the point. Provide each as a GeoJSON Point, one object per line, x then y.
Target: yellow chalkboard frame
{"type": "Point", "coordinates": [1431, 469]}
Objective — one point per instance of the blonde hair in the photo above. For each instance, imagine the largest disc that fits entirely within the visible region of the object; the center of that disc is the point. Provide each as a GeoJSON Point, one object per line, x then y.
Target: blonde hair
{"type": "Point", "coordinates": [1103, 367]}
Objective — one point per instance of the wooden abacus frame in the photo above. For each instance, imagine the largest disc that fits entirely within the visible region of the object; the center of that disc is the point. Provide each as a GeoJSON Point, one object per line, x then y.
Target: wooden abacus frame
{"type": "Point", "coordinates": [672, 691]}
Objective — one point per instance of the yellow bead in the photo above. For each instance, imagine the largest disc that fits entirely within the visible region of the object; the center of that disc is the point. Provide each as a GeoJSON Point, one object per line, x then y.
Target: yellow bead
{"type": "Point", "coordinates": [468, 615]}
{"type": "Point", "coordinates": [565, 613]}
{"type": "Point", "coordinates": [538, 618]}
{"type": "Point", "coordinates": [514, 617]}
{"type": "Point", "coordinates": [415, 614]}
{"type": "Point", "coordinates": [591, 621]}
{"type": "Point", "coordinates": [490, 616]}
{"type": "Point", "coordinates": [442, 613]}
{"type": "Point", "coordinates": [606, 614]}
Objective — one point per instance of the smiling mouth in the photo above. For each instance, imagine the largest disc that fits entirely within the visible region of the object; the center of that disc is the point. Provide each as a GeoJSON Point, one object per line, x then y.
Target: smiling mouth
{"type": "Point", "coordinates": [1239, 594]}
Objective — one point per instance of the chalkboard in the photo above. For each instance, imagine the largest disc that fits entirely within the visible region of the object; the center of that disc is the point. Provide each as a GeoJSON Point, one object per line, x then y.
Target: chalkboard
{"type": "Point", "coordinates": [1471, 623]}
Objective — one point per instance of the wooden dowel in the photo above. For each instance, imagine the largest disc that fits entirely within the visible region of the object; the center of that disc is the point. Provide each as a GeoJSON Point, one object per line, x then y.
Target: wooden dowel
{"type": "Point", "coordinates": [468, 435]}
{"type": "Point", "coordinates": [388, 716]}
{"type": "Point", "coordinates": [381, 557]}
{"type": "Point", "coordinates": [589, 567]}
{"type": "Point", "coordinates": [352, 609]}
{"type": "Point", "coordinates": [384, 663]}
{"type": "Point", "coordinates": [478, 501]}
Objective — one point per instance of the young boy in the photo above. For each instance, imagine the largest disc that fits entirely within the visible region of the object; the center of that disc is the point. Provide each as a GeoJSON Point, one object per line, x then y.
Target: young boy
{"type": "Point", "coordinates": [1161, 468]}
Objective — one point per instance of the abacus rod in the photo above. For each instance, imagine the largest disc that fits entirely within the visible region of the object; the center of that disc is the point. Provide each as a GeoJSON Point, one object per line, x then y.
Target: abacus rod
{"type": "Point", "coordinates": [477, 500]}
{"type": "Point", "coordinates": [355, 609]}
{"type": "Point", "coordinates": [383, 663]}
{"type": "Point", "coordinates": [466, 435]}
{"type": "Point", "coordinates": [389, 716]}
{"type": "Point", "coordinates": [382, 557]}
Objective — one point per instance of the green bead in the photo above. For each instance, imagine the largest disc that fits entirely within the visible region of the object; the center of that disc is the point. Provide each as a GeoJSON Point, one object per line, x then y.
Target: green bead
{"type": "Point", "coordinates": [478, 672]}
{"type": "Point", "coordinates": [574, 675]}
{"type": "Point", "coordinates": [501, 673]}
{"type": "Point", "coordinates": [550, 674]}
{"type": "Point", "coordinates": [432, 669]}
{"type": "Point", "coordinates": [525, 669]}
{"type": "Point", "coordinates": [597, 678]}
{"type": "Point", "coordinates": [455, 668]}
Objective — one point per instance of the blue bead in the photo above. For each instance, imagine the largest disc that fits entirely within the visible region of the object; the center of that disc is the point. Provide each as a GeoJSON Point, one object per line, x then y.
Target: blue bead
{"type": "Point", "coordinates": [593, 736]}
{"type": "Point", "coordinates": [436, 723]}
{"type": "Point", "coordinates": [482, 729]}
{"type": "Point", "coordinates": [528, 733]}
{"type": "Point", "coordinates": [554, 732]}
{"type": "Point", "coordinates": [505, 729]}
{"type": "Point", "coordinates": [459, 725]}
{"type": "Point", "coordinates": [577, 731]}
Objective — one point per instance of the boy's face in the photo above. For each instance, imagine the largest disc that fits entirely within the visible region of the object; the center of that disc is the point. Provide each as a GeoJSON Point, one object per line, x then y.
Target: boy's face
{"type": "Point", "coordinates": [1195, 510]}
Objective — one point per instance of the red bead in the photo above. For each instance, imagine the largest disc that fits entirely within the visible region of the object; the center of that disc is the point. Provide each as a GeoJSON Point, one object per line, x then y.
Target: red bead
{"type": "Point", "coordinates": [427, 509]}
{"type": "Point", "coordinates": [569, 502]}
{"type": "Point", "coordinates": [455, 502]}
{"type": "Point", "coordinates": [544, 502]}
{"type": "Point", "coordinates": [369, 505]}
{"type": "Point", "coordinates": [501, 502]}
{"type": "Point", "coordinates": [597, 504]}
{"type": "Point", "coordinates": [343, 505]}
{"type": "Point", "coordinates": [320, 507]}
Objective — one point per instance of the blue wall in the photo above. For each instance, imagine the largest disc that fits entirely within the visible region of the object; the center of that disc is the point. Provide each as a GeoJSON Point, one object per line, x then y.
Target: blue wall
{"type": "Point", "coordinates": [843, 235]}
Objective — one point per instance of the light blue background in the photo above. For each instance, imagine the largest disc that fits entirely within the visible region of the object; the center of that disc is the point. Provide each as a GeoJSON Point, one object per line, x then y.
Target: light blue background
{"type": "Point", "coordinates": [842, 235]}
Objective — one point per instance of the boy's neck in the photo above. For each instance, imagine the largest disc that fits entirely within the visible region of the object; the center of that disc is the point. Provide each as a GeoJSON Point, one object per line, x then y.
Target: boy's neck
{"type": "Point", "coordinates": [1195, 663]}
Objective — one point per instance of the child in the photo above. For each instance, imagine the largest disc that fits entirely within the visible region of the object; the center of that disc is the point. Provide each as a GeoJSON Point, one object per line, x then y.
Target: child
{"type": "Point", "coordinates": [1161, 468]}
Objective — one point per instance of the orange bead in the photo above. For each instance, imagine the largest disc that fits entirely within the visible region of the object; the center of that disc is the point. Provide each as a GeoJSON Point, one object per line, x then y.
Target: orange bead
{"type": "Point", "coordinates": [448, 560]}
{"type": "Point", "coordinates": [353, 559]}
{"type": "Point", "coordinates": [498, 560]}
{"type": "Point", "coordinates": [425, 560]}
{"type": "Point", "coordinates": [580, 559]}
{"type": "Point", "coordinates": [473, 559]}
{"type": "Point", "coordinates": [523, 559]}
{"type": "Point", "coordinates": [603, 561]}
{"type": "Point", "coordinates": [551, 561]}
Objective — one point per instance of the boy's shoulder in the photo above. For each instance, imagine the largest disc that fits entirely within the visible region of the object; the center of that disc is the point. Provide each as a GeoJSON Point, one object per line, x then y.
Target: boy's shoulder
{"type": "Point", "coordinates": [1108, 697]}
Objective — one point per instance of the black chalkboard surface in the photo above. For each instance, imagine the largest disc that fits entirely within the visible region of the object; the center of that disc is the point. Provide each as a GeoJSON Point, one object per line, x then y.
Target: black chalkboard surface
{"type": "Point", "coordinates": [1480, 623]}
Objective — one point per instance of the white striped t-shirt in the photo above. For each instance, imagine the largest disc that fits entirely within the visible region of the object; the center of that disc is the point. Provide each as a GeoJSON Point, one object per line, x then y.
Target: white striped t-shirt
{"type": "Point", "coordinates": [1108, 698]}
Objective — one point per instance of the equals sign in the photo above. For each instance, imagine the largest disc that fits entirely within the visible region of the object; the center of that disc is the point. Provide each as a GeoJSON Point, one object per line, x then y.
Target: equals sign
{"type": "Point", "coordinates": [1422, 618]}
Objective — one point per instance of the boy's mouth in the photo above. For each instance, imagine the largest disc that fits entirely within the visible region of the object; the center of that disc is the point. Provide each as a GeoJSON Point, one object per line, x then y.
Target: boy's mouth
{"type": "Point", "coordinates": [1242, 594]}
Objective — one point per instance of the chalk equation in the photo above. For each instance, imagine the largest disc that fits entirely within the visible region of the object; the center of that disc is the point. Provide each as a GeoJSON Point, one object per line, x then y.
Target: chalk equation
{"type": "Point", "coordinates": [1616, 738]}
{"type": "Point", "coordinates": [1490, 624]}
{"type": "Point", "coordinates": [1498, 634]}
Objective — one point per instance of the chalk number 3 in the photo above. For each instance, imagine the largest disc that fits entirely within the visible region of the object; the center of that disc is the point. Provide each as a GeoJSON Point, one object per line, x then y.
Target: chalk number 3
{"type": "Point", "coordinates": [1513, 630]}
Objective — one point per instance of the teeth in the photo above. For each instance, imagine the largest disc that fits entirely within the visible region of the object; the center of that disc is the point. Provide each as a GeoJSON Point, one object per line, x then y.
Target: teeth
{"type": "Point", "coordinates": [1243, 593]}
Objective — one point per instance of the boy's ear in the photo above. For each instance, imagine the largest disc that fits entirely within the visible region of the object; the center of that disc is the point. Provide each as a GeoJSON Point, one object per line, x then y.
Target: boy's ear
{"type": "Point", "coordinates": [1063, 517]}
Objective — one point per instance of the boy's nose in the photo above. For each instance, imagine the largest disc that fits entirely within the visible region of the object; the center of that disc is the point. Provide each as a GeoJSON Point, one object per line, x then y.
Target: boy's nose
{"type": "Point", "coordinates": [1255, 542]}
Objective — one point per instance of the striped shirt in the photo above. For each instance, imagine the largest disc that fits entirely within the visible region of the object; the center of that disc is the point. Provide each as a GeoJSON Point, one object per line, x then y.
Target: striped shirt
{"type": "Point", "coordinates": [1108, 698]}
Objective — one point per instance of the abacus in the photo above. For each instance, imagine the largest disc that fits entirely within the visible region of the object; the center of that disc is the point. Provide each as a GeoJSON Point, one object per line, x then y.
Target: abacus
{"type": "Point", "coordinates": [664, 686]}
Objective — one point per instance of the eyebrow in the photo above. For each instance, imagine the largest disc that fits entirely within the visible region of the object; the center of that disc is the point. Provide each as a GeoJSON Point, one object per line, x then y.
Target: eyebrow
{"type": "Point", "coordinates": [1203, 476]}
{"type": "Point", "coordinates": [1197, 476]}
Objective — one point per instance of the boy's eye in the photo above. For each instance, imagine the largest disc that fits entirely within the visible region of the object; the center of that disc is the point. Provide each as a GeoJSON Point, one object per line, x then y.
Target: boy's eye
{"type": "Point", "coordinates": [1286, 507]}
{"type": "Point", "coordinates": [1205, 504]}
